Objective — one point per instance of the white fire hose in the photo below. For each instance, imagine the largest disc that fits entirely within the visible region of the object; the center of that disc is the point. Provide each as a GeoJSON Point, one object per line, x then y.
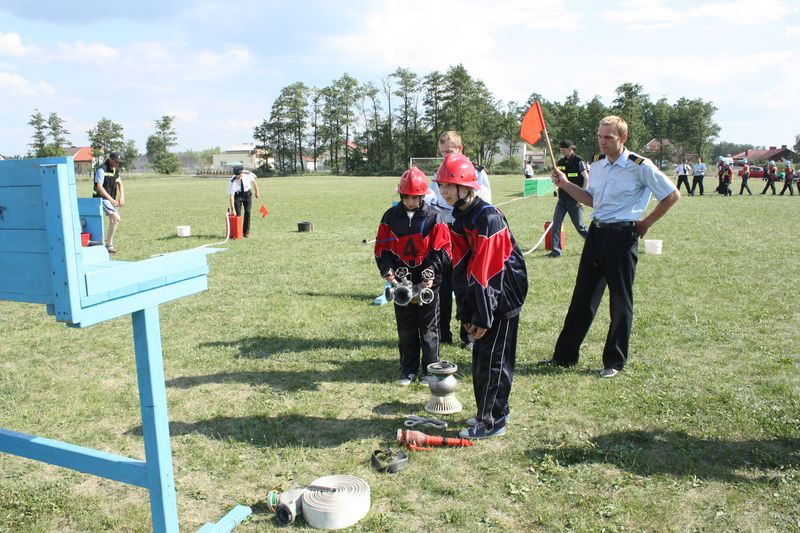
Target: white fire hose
{"type": "Point", "coordinates": [331, 502]}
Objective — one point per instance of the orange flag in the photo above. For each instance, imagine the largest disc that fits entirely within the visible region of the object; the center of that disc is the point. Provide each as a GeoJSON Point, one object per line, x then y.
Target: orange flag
{"type": "Point", "coordinates": [532, 124]}
{"type": "Point", "coordinates": [264, 212]}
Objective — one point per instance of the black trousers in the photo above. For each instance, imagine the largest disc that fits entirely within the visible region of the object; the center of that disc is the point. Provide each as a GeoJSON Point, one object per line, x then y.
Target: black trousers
{"type": "Point", "coordinates": [246, 200]}
{"type": "Point", "coordinates": [446, 306]}
{"type": "Point", "coordinates": [788, 185]}
{"type": "Point", "coordinates": [685, 181]}
{"type": "Point", "coordinates": [609, 258]}
{"type": "Point", "coordinates": [493, 360]}
{"type": "Point", "coordinates": [418, 330]}
{"type": "Point", "coordinates": [745, 186]}
{"type": "Point", "coordinates": [697, 180]}
{"type": "Point", "coordinates": [769, 185]}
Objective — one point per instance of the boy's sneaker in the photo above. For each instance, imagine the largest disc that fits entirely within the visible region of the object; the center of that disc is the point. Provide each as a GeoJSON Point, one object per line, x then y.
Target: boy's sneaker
{"type": "Point", "coordinates": [472, 421]}
{"type": "Point", "coordinates": [480, 432]}
{"type": "Point", "coordinates": [405, 381]}
{"type": "Point", "coordinates": [425, 379]}
{"type": "Point", "coordinates": [609, 373]}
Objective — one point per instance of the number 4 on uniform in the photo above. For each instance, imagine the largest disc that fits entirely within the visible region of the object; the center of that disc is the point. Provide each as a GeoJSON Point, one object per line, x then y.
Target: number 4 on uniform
{"type": "Point", "coordinates": [409, 250]}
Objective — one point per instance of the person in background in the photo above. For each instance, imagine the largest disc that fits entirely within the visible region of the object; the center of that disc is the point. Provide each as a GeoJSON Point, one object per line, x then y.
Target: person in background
{"type": "Point", "coordinates": [240, 188]}
{"type": "Point", "coordinates": [745, 178]}
{"type": "Point", "coordinates": [698, 173]}
{"type": "Point", "coordinates": [682, 171]}
{"type": "Point", "coordinates": [528, 170]}
{"type": "Point", "coordinates": [771, 176]}
{"type": "Point", "coordinates": [788, 178]}
{"type": "Point", "coordinates": [450, 143]}
{"type": "Point", "coordinates": [108, 186]}
{"type": "Point", "coordinates": [576, 172]}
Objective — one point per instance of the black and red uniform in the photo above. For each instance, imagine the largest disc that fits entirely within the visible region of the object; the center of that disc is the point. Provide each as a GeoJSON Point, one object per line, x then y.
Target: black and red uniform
{"type": "Point", "coordinates": [490, 282]}
{"type": "Point", "coordinates": [419, 242]}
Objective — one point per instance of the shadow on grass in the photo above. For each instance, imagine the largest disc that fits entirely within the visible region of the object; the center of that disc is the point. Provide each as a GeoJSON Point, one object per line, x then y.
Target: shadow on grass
{"type": "Point", "coordinates": [368, 297]}
{"type": "Point", "coordinates": [657, 452]}
{"type": "Point", "coordinates": [262, 347]}
{"type": "Point", "coordinates": [362, 371]}
{"type": "Point", "coordinates": [287, 430]}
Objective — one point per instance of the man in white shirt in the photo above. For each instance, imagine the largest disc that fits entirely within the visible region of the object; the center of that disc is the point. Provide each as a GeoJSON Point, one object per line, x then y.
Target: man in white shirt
{"type": "Point", "coordinates": [682, 171]}
{"type": "Point", "coordinates": [699, 172]}
{"type": "Point", "coordinates": [240, 188]}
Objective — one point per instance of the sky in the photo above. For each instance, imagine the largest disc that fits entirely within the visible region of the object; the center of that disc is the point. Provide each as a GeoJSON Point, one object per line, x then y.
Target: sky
{"type": "Point", "coordinates": [217, 66]}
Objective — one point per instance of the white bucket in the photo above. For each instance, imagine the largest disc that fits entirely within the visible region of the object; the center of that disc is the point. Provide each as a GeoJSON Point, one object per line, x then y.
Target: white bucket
{"type": "Point", "coordinates": [652, 246]}
{"type": "Point", "coordinates": [184, 231]}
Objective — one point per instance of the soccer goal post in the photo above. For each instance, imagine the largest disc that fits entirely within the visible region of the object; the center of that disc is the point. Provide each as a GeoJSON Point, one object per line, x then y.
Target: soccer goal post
{"type": "Point", "coordinates": [428, 165]}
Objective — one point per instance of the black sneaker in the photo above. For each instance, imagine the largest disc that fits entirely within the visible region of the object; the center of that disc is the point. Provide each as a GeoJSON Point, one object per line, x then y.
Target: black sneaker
{"type": "Point", "coordinates": [480, 432]}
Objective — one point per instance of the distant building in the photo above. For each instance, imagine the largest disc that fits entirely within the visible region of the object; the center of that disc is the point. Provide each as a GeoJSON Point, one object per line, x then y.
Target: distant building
{"type": "Point", "coordinates": [773, 153]}
{"type": "Point", "coordinates": [82, 156]}
{"type": "Point", "coordinates": [244, 154]}
{"type": "Point", "coordinates": [667, 149]}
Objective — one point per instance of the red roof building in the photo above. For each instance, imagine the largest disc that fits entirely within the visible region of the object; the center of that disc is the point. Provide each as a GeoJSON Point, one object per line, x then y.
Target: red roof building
{"type": "Point", "coordinates": [82, 156]}
{"type": "Point", "coordinates": [773, 154]}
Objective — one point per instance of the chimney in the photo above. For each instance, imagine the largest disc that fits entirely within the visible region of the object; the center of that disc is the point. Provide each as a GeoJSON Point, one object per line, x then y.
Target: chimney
{"type": "Point", "coordinates": [772, 148]}
{"type": "Point", "coordinates": [783, 146]}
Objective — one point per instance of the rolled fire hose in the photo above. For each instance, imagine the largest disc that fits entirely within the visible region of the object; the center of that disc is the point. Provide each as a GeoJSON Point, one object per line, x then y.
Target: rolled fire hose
{"type": "Point", "coordinates": [347, 502]}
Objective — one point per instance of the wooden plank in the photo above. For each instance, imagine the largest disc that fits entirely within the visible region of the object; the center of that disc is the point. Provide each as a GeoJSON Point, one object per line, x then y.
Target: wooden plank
{"type": "Point", "coordinates": [106, 310]}
{"type": "Point", "coordinates": [22, 208]}
{"type": "Point", "coordinates": [61, 217]}
{"type": "Point", "coordinates": [25, 172]}
{"type": "Point", "coordinates": [23, 240]}
{"type": "Point", "coordinates": [22, 275]}
{"type": "Point", "coordinates": [90, 211]}
{"type": "Point", "coordinates": [142, 273]}
{"type": "Point", "coordinates": [155, 419]}
{"type": "Point", "coordinates": [78, 458]}
{"type": "Point", "coordinates": [228, 523]}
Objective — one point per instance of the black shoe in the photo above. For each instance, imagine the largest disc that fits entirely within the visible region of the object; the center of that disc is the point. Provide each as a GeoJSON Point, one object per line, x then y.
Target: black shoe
{"type": "Point", "coordinates": [553, 255]}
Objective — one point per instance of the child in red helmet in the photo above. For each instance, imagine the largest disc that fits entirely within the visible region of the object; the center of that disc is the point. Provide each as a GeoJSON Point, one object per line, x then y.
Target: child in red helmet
{"type": "Point", "coordinates": [490, 282]}
{"type": "Point", "coordinates": [412, 237]}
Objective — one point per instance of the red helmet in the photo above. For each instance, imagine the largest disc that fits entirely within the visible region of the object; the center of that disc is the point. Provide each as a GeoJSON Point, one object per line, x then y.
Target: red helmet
{"type": "Point", "coordinates": [458, 170]}
{"type": "Point", "coordinates": [413, 182]}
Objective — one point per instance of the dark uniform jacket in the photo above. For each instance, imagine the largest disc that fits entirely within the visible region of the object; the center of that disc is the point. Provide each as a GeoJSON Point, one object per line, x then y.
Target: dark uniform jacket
{"type": "Point", "coordinates": [573, 167]}
{"type": "Point", "coordinates": [417, 243]}
{"type": "Point", "coordinates": [111, 175]}
{"type": "Point", "coordinates": [489, 275]}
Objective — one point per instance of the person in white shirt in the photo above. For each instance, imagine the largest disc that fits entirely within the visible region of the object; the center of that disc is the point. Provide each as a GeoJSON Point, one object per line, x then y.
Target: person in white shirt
{"type": "Point", "coordinates": [699, 172]}
{"type": "Point", "coordinates": [450, 143]}
{"type": "Point", "coordinates": [682, 171]}
{"type": "Point", "coordinates": [240, 188]}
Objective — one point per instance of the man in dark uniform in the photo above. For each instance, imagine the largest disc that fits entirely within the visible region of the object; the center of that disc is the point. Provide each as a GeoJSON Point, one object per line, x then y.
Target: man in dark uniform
{"type": "Point", "coordinates": [620, 186]}
{"type": "Point", "coordinates": [576, 172]}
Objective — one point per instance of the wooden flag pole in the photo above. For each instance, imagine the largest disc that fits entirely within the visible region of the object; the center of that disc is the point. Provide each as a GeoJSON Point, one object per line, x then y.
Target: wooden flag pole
{"type": "Point", "coordinates": [549, 146]}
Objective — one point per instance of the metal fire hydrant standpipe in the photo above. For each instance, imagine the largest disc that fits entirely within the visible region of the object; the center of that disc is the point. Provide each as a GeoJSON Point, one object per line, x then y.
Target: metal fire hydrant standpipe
{"type": "Point", "coordinates": [443, 399]}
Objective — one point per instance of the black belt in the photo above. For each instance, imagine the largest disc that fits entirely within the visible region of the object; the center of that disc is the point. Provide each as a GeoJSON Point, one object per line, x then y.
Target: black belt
{"type": "Point", "coordinates": [389, 460]}
{"type": "Point", "coordinates": [614, 225]}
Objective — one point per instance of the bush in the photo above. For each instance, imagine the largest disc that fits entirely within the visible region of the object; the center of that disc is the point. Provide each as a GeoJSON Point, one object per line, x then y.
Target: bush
{"type": "Point", "coordinates": [511, 165]}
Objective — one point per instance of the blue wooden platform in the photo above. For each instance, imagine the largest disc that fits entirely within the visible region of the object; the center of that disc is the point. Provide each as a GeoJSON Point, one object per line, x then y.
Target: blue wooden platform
{"type": "Point", "coordinates": [42, 261]}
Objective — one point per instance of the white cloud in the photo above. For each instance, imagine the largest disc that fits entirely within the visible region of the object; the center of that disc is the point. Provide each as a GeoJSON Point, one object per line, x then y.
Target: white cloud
{"type": "Point", "coordinates": [433, 35]}
{"type": "Point", "coordinates": [16, 85]}
{"type": "Point", "coordinates": [648, 15]}
{"type": "Point", "coordinates": [241, 124]}
{"type": "Point", "coordinates": [189, 116]}
{"type": "Point", "coordinates": [90, 54]}
{"type": "Point", "coordinates": [11, 45]}
{"type": "Point", "coordinates": [793, 31]}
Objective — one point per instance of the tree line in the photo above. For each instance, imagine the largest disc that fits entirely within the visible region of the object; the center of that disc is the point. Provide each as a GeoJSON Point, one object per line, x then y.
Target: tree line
{"type": "Point", "coordinates": [374, 128]}
{"type": "Point", "coordinates": [50, 140]}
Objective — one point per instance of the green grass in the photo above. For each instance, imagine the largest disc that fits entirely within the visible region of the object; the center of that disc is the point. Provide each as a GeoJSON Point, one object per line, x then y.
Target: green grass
{"type": "Point", "coordinates": [283, 372]}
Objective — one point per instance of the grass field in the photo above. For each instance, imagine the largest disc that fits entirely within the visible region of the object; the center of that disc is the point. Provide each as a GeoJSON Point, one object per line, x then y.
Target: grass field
{"type": "Point", "coordinates": [283, 372]}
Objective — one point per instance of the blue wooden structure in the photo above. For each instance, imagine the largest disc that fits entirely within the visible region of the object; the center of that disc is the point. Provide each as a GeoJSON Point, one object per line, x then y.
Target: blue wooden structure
{"type": "Point", "coordinates": [42, 261]}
